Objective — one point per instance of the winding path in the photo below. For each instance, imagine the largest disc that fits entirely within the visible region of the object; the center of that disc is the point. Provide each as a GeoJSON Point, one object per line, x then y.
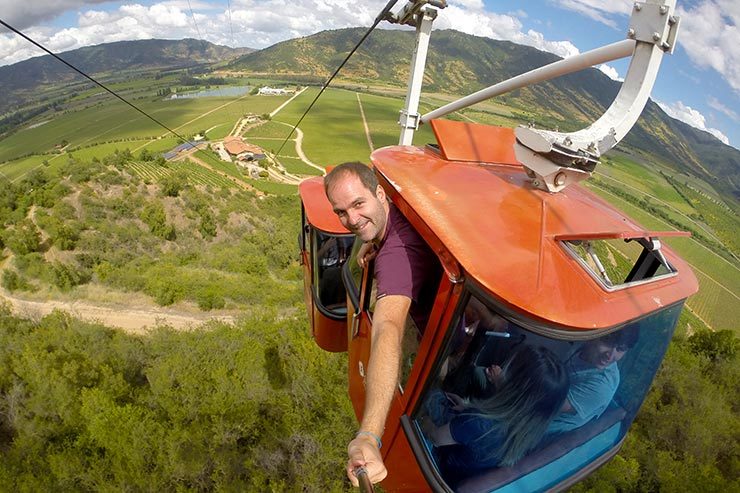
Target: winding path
{"type": "Point", "coordinates": [137, 320]}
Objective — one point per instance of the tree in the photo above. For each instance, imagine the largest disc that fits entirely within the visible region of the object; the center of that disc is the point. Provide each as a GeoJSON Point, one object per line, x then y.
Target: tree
{"type": "Point", "coordinates": [146, 155]}
{"type": "Point", "coordinates": [23, 239]}
{"type": "Point", "coordinates": [66, 276]}
{"type": "Point", "coordinates": [173, 183]}
{"type": "Point", "coordinates": [12, 281]}
{"type": "Point", "coordinates": [207, 225]}
{"type": "Point", "coordinates": [66, 237]}
{"type": "Point", "coordinates": [154, 217]}
{"type": "Point", "coordinates": [715, 345]}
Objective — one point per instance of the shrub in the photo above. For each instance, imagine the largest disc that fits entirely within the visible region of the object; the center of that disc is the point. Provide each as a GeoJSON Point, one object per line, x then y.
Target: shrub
{"type": "Point", "coordinates": [66, 237]}
{"type": "Point", "coordinates": [164, 288]}
{"type": "Point", "coordinates": [209, 298]}
{"type": "Point", "coordinates": [23, 239]}
{"type": "Point", "coordinates": [715, 345]}
{"type": "Point", "coordinates": [12, 281]}
{"type": "Point", "coordinates": [172, 184]}
{"type": "Point", "coordinates": [154, 217]}
{"type": "Point", "coordinates": [66, 276]}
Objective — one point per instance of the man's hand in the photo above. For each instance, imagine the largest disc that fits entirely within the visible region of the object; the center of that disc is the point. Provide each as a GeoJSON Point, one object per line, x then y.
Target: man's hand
{"type": "Point", "coordinates": [363, 452]}
{"type": "Point", "coordinates": [457, 402]}
{"type": "Point", "coordinates": [366, 254]}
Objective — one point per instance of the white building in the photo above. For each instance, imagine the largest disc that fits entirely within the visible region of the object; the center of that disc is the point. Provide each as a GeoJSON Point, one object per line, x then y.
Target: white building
{"type": "Point", "coordinates": [272, 91]}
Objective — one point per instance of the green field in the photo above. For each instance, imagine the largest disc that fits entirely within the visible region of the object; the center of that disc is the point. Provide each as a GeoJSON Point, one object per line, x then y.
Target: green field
{"type": "Point", "coordinates": [212, 160]}
{"type": "Point", "coordinates": [12, 170]}
{"type": "Point", "coordinates": [333, 130]}
{"type": "Point", "coordinates": [272, 144]}
{"type": "Point", "coordinates": [643, 179]}
{"type": "Point", "coordinates": [270, 129]}
{"type": "Point", "coordinates": [198, 175]}
{"type": "Point", "coordinates": [135, 146]}
{"type": "Point", "coordinates": [719, 280]}
{"type": "Point", "coordinates": [272, 187]}
{"type": "Point", "coordinates": [115, 120]}
{"type": "Point", "coordinates": [297, 167]}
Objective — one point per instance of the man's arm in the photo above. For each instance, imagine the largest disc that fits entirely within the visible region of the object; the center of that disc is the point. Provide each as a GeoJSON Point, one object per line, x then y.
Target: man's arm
{"type": "Point", "coordinates": [389, 320]}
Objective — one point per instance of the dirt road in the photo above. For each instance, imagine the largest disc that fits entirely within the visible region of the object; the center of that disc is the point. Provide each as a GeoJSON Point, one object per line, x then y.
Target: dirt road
{"type": "Point", "coordinates": [136, 320]}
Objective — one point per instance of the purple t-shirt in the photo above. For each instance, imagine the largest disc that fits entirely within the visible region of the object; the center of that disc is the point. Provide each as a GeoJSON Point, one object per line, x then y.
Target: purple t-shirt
{"type": "Point", "coordinates": [405, 265]}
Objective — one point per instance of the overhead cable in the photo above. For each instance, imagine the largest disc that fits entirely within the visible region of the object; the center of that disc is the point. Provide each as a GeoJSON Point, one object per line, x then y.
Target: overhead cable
{"type": "Point", "coordinates": [381, 16]}
{"type": "Point", "coordinates": [39, 45]}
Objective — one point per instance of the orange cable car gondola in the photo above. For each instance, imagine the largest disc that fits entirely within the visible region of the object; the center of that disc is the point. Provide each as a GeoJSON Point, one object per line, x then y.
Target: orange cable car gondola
{"type": "Point", "coordinates": [529, 260]}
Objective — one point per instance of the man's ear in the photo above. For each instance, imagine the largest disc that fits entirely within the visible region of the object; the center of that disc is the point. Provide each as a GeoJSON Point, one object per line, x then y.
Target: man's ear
{"type": "Point", "coordinates": [380, 193]}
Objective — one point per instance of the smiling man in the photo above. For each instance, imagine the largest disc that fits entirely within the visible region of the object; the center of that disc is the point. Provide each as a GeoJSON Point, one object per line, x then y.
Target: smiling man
{"type": "Point", "coordinates": [407, 274]}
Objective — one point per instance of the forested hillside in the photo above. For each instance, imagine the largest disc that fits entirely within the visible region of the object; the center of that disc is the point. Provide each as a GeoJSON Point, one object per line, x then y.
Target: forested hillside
{"type": "Point", "coordinates": [253, 406]}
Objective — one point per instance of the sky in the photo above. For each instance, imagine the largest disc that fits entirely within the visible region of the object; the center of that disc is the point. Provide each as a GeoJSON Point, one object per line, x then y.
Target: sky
{"type": "Point", "coordinates": [699, 83]}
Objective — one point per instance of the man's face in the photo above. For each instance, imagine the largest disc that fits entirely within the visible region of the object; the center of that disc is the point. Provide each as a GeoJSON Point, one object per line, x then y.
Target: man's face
{"type": "Point", "coordinates": [361, 211]}
{"type": "Point", "coordinates": [602, 354]}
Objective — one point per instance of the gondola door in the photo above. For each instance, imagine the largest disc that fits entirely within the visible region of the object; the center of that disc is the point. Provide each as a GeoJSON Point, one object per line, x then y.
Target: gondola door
{"type": "Point", "coordinates": [325, 245]}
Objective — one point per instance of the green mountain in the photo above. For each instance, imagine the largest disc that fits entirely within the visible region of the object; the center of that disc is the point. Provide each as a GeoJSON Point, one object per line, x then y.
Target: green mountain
{"type": "Point", "coordinates": [459, 63]}
{"type": "Point", "coordinates": [20, 82]}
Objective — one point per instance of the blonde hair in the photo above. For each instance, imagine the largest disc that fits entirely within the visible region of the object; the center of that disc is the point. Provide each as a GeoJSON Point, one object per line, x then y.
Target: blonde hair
{"type": "Point", "coordinates": [535, 385]}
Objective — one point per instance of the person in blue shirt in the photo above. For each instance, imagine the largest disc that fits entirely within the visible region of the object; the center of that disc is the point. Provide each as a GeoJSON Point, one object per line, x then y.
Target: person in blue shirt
{"type": "Point", "coordinates": [594, 379]}
{"type": "Point", "coordinates": [531, 388]}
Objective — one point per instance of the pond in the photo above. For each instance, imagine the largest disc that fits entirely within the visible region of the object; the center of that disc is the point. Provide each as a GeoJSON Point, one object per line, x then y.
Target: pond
{"type": "Point", "coordinates": [223, 92]}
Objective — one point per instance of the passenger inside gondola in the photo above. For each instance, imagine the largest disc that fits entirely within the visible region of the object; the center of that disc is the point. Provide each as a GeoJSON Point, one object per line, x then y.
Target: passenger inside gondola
{"type": "Point", "coordinates": [475, 447]}
{"type": "Point", "coordinates": [474, 434]}
{"type": "Point", "coordinates": [463, 374]}
{"type": "Point", "coordinates": [594, 378]}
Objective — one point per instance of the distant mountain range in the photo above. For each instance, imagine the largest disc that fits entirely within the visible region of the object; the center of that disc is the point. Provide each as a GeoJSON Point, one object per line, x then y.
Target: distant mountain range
{"type": "Point", "coordinates": [18, 81]}
{"type": "Point", "coordinates": [457, 64]}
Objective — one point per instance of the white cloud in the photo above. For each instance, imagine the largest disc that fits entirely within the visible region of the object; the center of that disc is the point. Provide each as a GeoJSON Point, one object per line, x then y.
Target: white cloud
{"type": "Point", "coordinates": [25, 13]}
{"type": "Point", "coordinates": [252, 23]}
{"type": "Point", "coordinates": [610, 72]}
{"type": "Point", "coordinates": [469, 4]}
{"type": "Point", "coordinates": [689, 115]}
{"type": "Point", "coordinates": [500, 26]}
{"type": "Point", "coordinates": [603, 11]}
{"type": "Point", "coordinates": [717, 105]}
{"type": "Point", "coordinates": [710, 29]}
{"type": "Point", "coordinates": [710, 34]}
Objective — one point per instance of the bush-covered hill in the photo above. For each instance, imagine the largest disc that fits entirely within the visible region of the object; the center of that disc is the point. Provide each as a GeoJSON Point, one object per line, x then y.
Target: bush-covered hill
{"type": "Point", "coordinates": [99, 223]}
{"type": "Point", "coordinates": [258, 407]}
{"type": "Point", "coordinates": [250, 407]}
